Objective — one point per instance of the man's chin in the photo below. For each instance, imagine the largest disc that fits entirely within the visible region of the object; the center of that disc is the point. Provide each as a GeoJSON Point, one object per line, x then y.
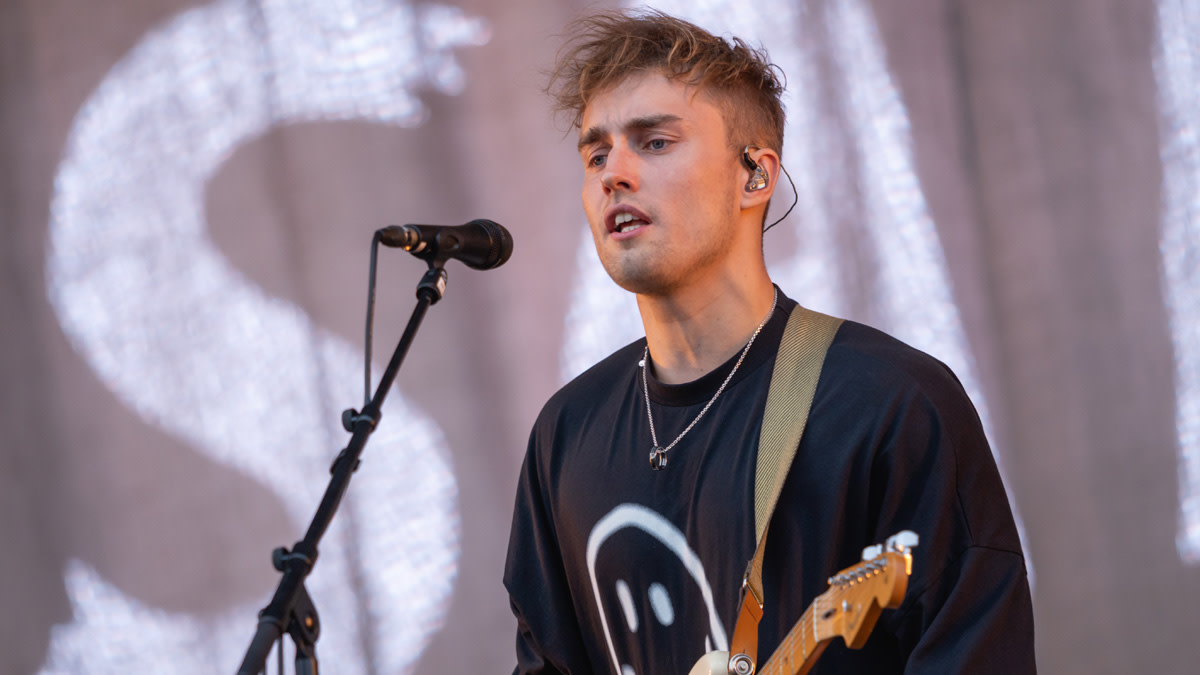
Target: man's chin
{"type": "Point", "coordinates": [645, 286]}
{"type": "Point", "coordinates": [634, 277]}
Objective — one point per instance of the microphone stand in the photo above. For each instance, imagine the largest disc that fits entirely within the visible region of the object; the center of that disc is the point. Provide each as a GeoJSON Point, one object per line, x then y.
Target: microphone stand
{"type": "Point", "coordinates": [291, 609]}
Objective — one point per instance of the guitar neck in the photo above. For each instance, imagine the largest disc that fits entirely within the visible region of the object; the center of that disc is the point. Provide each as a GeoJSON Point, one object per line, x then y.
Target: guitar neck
{"type": "Point", "coordinates": [847, 610]}
{"type": "Point", "coordinates": [800, 649]}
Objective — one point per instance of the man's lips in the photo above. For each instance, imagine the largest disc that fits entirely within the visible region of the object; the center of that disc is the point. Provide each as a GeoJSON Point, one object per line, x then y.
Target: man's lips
{"type": "Point", "coordinates": [624, 219]}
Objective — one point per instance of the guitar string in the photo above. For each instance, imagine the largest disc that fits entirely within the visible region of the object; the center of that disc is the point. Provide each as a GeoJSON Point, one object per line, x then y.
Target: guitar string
{"type": "Point", "coordinates": [788, 645]}
{"type": "Point", "coordinates": [798, 632]}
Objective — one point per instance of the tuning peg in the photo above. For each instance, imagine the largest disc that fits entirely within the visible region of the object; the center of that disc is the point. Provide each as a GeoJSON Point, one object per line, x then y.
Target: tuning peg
{"type": "Point", "coordinates": [872, 552]}
{"type": "Point", "coordinates": [902, 541]}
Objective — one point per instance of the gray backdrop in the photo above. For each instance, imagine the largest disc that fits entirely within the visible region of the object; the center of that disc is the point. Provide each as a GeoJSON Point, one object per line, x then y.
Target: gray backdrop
{"type": "Point", "coordinates": [187, 196]}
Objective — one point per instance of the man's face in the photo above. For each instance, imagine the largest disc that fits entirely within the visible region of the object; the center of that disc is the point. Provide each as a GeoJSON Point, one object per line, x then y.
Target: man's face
{"type": "Point", "coordinates": [661, 184]}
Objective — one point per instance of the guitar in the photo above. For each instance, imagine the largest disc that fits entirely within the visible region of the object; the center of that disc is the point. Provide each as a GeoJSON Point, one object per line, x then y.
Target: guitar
{"type": "Point", "coordinates": [849, 609]}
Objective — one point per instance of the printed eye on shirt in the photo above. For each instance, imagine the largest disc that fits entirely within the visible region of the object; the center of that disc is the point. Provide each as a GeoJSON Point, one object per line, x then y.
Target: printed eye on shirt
{"type": "Point", "coordinates": [638, 617]}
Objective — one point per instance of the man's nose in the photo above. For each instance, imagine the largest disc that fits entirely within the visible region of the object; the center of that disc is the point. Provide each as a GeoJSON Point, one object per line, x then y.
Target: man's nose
{"type": "Point", "coordinates": [620, 169]}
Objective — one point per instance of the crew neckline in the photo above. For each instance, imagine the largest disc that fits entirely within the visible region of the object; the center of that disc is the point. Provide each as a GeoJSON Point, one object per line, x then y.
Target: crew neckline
{"type": "Point", "coordinates": [701, 389]}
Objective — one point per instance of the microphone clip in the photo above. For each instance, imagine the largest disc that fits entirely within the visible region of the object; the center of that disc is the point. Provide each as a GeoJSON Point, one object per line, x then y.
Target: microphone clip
{"type": "Point", "coordinates": [433, 284]}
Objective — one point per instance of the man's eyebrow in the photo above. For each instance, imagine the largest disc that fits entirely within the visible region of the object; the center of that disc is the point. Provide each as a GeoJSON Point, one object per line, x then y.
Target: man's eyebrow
{"type": "Point", "coordinates": [592, 135]}
{"type": "Point", "coordinates": [596, 134]}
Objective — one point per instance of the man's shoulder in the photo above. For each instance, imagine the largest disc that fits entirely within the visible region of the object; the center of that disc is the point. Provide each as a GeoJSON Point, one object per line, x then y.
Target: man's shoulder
{"type": "Point", "coordinates": [870, 360]}
{"type": "Point", "coordinates": [594, 385]}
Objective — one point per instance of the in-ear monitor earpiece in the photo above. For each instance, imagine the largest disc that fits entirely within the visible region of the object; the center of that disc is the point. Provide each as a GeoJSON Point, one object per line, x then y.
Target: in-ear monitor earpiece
{"type": "Point", "coordinates": [759, 177]}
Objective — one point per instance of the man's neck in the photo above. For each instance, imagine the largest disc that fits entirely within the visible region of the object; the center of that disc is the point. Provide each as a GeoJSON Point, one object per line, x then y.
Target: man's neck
{"type": "Point", "coordinates": [692, 331]}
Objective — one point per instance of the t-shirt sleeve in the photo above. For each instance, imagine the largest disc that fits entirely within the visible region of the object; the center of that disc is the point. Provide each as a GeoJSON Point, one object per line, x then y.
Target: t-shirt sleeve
{"type": "Point", "coordinates": [968, 608]}
{"type": "Point", "coordinates": [983, 621]}
{"type": "Point", "coordinates": [548, 638]}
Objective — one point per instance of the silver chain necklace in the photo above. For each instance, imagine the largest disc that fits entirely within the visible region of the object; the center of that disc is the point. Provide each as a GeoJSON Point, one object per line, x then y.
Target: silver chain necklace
{"type": "Point", "coordinates": [658, 454]}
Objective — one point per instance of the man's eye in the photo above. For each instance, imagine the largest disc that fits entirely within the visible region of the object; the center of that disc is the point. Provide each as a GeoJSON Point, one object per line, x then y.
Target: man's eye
{"type": "Point", "coordinates": [657, 144]}
{"type": "Point", "coordinates": [596, 160]}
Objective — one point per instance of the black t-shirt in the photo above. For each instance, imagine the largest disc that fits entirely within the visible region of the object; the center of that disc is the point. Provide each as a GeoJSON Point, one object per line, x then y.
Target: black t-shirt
{"type": "Point", "coordinates": [613, 567]}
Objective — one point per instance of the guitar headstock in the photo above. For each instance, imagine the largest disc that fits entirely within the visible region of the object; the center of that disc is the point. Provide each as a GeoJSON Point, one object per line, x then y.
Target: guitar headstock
{"type": "Point", "coordinates": [859, 593]}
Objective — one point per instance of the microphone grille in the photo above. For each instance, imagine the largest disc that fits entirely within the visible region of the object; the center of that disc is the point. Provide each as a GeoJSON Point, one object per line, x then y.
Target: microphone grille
{"type": "Point", "coordinates": [500, 240]}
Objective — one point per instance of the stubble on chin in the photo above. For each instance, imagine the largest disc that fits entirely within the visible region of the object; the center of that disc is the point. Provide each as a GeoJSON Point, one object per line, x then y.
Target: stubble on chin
{"type": "Point", "coordinates": [643, 272]}
{"type": "Point", "coordinates": [632, 273]}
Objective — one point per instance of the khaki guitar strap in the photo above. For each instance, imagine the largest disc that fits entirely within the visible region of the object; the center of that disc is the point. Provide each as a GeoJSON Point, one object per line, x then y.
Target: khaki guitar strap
{"type": "Point", "coordinates": [806, 339]}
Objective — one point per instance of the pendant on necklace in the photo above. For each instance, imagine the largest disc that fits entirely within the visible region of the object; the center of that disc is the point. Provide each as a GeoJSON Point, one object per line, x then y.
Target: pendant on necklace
{"type": "Point", "coordinates": [658, 459]}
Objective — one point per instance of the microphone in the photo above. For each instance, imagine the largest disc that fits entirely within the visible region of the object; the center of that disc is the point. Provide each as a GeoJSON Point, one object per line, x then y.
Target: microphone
{"type": "Point", "coordinates": [480, 244]}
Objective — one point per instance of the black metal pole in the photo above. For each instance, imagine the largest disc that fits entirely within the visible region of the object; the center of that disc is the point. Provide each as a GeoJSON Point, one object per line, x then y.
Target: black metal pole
{"type": "Point", "coordinates": [290, 609]}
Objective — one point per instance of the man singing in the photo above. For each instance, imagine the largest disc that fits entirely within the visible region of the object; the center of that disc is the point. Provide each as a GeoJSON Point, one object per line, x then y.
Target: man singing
{"type": "Point", "coordinates": [635, 509]}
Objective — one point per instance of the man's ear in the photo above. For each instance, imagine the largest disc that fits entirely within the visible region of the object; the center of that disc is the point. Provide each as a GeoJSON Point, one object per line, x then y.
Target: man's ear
{"type": "Point", "coordinates": [761, 171]}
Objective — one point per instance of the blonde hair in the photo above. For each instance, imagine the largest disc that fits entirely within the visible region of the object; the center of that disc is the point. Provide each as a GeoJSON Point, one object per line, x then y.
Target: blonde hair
{"type": "Point", "coordinates": [604, 49]}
